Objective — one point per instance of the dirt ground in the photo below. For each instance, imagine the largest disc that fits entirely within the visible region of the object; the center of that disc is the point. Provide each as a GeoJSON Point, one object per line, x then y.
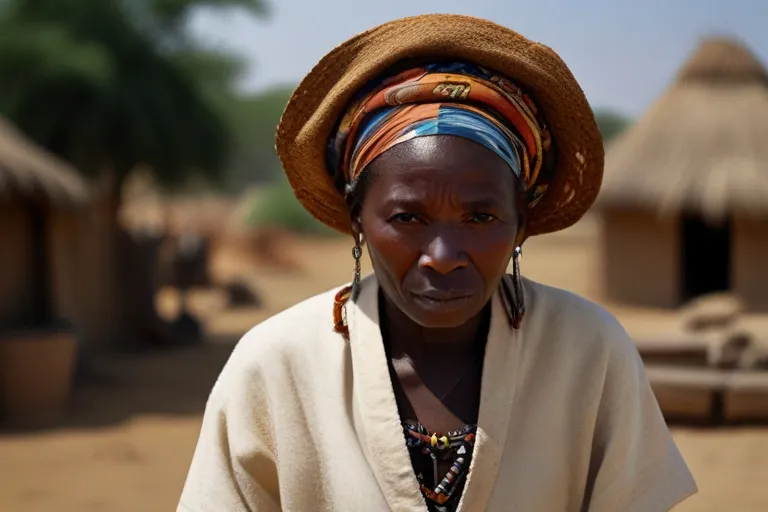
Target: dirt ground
{"type": "Point", "coordinates": [126, 442]}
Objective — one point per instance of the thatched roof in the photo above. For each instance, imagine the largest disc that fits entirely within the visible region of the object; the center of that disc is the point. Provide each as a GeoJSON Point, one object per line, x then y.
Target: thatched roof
{"type": "Point", "coordinates": [27, 170]}
{"type": "Point", "coordinates": [702, 146]}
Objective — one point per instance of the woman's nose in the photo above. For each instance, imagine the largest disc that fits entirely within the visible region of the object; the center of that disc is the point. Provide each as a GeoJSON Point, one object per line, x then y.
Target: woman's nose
{"type": "Point", "coordinates": [443, 256]}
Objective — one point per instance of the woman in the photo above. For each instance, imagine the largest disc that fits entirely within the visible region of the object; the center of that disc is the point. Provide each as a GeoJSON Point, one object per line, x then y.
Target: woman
{"type": "Point", "coordinates": [440, 382]}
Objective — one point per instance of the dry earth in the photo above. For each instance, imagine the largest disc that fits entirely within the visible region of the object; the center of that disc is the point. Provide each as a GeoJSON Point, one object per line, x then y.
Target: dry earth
{"type": "Point", "coordinates": [125, 444]}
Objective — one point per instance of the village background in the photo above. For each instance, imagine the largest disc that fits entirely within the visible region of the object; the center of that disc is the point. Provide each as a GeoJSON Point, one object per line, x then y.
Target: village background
{"type": "Point", "coordinates": [145, 224]}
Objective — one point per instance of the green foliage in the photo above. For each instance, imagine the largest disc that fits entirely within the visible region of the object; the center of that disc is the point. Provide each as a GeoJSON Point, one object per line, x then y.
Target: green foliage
{"type": "Point", "coordinates": [113, 84]}
{"type": "Point", "coordinates": [277, 206]}
{"type": "Point", "coordinates": [254, 121]}
{"type": "Point", "coordinates": [214, 71]}
{"type": "Point", "coordinates": [611, 124]}
{"type": "Point", "coordinates": [49, 50]}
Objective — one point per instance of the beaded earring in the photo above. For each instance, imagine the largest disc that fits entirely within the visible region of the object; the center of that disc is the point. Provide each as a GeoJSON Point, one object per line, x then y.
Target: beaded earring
{"type": "Point", "coordinates": [512, 292]}
{"type": "Point", "coordinates": [342, 296]}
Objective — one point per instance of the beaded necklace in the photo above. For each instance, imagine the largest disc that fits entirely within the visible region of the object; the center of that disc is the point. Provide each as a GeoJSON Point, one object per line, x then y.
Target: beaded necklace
{"type": "Point", "coordinates": [458, 444]}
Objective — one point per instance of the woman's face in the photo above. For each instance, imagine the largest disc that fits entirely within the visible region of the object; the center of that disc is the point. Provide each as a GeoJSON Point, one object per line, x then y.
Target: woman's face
{"type": "Point", "coordinates": [439, 218]}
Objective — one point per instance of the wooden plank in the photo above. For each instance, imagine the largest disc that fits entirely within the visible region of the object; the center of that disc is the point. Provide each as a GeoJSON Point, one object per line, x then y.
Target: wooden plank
{"type": "Point", "coordinates": [708, 394]}
{"type": "Point", "coordinates": [688, 378]}
{"type": "Point", "coordinates": [686, 394]}
{"type": "Point", "coordinates": [746, 399]}
{"type": "Point", "coordinates": [675, 351]}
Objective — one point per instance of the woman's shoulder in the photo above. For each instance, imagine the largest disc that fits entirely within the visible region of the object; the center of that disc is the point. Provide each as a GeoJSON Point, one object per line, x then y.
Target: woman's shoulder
{"type": "Point", "coordinates": [566, 316]}
{"type": "Point", "coordinates": [566, 305]}
{"type": "Point", "coordinates": [301, 318]}
{"type": "Point", "coordinates": [300, 334]}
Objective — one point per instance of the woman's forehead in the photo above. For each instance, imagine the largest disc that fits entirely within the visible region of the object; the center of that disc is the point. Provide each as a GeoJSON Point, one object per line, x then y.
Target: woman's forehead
{"type": "Point", "coordinates": [442, 159]}
{"type": "Point", "coordinates": [440, 151]}
{"type": "Point", "coordinates": [421, 182]}
{"type": "Point", "coordinates": [461, 172]}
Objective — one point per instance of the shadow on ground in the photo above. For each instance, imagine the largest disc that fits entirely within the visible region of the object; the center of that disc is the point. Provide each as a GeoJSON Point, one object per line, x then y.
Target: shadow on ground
{"type": "Point", "coordinates": [165, 382]}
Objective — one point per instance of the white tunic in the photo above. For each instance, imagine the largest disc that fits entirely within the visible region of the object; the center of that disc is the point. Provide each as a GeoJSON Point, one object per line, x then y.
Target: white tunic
{"type": "Point", "coordinates": [301, 420]}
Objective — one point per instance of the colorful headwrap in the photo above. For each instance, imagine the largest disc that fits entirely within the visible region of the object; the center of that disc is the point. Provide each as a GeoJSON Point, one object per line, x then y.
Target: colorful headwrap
{"type": "Point", "coordinates": [455, 98]}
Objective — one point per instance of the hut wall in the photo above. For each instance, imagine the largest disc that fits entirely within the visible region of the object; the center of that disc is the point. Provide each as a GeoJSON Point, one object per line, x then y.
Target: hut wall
{"type": "Point", "coordinates": [640, 255]}
{"type": "Point", "coordinates": [89, 286]}
{"type": "Point", "coordinates": [750, 262]}
{"type": "Point", "coordinates": [73, 258]}
{"type": "Point", "coordinates": [67, 268]}
{"type": "Point", "coordinates": [15, 265]}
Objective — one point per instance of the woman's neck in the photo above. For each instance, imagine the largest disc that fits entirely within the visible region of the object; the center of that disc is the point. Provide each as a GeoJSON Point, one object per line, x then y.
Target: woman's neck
{"type": "Point", "coordinates": [404, 338]}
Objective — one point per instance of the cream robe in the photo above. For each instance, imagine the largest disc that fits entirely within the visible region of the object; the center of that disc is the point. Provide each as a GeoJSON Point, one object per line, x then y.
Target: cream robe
{"type": "Point", "coordinates": [301, 420]}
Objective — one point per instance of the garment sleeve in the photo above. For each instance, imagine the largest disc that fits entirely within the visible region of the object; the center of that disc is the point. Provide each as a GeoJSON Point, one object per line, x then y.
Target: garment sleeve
{"type": "Point", "coordinates": [233, 467]}
{"type": "Point", "coordinates": [635, 465]}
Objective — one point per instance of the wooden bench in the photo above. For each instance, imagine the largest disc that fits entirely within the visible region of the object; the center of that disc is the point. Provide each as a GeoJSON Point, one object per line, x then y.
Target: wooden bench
{"type": "Point", "coordinates": [709, 395]}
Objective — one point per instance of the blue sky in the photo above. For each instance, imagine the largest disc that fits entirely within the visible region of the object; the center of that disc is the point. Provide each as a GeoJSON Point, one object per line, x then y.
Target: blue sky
{"type": "Point", "coordinates": [623, 52]}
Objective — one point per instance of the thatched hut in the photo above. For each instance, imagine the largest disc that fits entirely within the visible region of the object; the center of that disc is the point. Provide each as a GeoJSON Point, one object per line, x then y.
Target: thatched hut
{"type": "Point", "coordinates": [39, 200]}
{"type": "Point", "coordinates": [685, 195]}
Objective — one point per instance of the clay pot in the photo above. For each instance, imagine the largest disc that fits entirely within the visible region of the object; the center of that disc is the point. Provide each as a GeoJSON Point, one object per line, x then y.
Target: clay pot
{"type": "Point", "coordinates": [36, 369]}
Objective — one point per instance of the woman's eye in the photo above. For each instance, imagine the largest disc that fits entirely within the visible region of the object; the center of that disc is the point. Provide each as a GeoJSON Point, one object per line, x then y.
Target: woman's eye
{"type": "Point", "coordinates": [404, 218]}
{"type": "Point", "coordinates": [481, 218]}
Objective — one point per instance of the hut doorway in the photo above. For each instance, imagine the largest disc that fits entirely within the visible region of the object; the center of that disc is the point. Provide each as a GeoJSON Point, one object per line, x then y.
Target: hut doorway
{"type": "Point", "coordinates": [705, 265]}
{"type": "Point", "coordinates": [41, 303]}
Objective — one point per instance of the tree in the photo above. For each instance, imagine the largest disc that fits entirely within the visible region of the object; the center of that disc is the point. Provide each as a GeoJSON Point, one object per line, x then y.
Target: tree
{"type": "Point", "coordinates": [110, 85]}
{"type": "Point", "coordinates": [254, 121]}
{"type": "Point", "coordinates": [611, 124]}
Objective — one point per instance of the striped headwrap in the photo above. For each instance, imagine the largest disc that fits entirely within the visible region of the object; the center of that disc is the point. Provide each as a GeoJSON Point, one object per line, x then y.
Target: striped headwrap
{"type": "Point", "coordinates": [446, 98]}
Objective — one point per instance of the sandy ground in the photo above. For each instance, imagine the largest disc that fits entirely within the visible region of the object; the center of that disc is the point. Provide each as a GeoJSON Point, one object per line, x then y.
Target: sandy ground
{"type": "Point", "coordinates": [126, 443]}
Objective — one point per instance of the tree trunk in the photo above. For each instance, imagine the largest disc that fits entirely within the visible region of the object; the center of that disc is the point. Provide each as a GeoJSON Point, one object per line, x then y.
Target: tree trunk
{"type": "Point", "coordinates": [97, 319]}
{"type": "Point", "coordinates": [120, 271]}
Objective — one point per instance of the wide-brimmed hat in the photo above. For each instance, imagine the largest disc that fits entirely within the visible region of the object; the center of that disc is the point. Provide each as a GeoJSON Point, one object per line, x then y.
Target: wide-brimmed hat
{"type": "Point", "coordinates": [321, 98]}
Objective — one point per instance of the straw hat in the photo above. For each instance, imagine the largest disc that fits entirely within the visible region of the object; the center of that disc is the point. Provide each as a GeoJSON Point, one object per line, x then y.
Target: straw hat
{"type": "Point", "coordinates": [320, 99]}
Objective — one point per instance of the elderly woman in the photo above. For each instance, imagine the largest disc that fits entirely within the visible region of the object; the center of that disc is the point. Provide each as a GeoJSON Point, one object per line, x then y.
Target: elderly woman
{"type": "Point", "coordinates": [440, 382]}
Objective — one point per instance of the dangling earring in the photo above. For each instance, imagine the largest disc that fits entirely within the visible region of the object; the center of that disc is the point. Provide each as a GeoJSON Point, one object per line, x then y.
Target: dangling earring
{"type": "Point", "coordinates": [512, 292]}
{"type": "Point", "coordinates": [342, 297]}
{"type": "Point", "coordinates": [357, 255]}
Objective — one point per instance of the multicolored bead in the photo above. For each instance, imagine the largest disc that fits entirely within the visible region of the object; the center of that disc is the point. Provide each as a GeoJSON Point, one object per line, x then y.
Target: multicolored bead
{"type": "Point", "coordinates": [458, 443]}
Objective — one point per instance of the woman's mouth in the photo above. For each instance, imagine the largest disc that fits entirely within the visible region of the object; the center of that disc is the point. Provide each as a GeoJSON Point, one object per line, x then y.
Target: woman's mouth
{"type": "Point", "coordinates": [442, 301]}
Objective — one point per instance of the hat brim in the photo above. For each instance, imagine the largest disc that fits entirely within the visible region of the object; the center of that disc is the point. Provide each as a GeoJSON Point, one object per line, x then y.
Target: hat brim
{"type": "Point", "coordinates": [320, 100]}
